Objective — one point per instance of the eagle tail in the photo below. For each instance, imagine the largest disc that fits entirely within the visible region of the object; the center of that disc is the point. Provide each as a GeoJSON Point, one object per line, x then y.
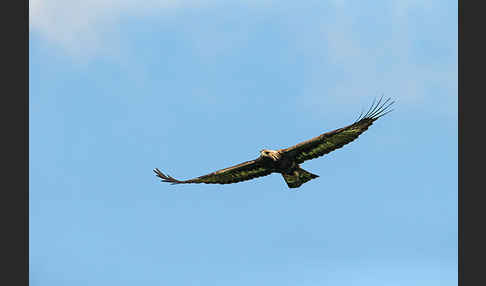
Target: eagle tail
{"type": "Point", "coordinates": [298, 177]}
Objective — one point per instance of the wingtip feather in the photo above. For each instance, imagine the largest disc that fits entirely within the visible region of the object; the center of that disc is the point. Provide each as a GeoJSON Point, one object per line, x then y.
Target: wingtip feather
{"type": "Point", "coordinates": [377, 109]}
{"type": "Point", "coordinates": [166, 177]}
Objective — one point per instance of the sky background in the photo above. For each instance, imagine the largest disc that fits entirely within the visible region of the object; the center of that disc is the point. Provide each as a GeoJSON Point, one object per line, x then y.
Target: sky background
{"type": "Point", "coordinates": [118, 88]}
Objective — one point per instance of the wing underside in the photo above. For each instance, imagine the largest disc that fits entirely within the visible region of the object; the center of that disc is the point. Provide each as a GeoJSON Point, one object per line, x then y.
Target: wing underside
{"type": "Point", "coordinates": [330, 141]}
{"type": "Point", "coordinates": [238, 173]}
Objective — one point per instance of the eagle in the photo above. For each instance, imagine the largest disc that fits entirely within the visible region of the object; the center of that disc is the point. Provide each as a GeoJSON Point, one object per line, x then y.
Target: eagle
{"type": "Point", "coordinates": [287, 161]}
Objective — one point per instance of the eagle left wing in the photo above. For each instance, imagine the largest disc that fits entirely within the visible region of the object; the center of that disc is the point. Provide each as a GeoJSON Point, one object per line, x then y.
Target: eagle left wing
{"type": "Point", "coordinates": [330, 141]}
{"type": "Point", "coordinates": [241, 172]}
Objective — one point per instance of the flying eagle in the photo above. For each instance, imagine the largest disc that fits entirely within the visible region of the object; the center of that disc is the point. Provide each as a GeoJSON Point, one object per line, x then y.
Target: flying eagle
{"type": "Point", "coordinates": [286, 161]}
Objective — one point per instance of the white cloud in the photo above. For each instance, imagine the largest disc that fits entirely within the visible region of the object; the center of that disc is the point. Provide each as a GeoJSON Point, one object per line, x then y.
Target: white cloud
{"type": "Point", "coordinates": [83, 27]}
{"type": "Point", "coordinates": [344, 50]}
{"type": "Point", "coordinates": [88, 27]}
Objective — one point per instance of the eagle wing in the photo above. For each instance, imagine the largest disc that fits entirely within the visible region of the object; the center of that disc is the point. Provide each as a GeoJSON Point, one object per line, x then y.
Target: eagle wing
{"type": "Point", "coordinates": [330, 141]}
{"type": "Point", "coordinates": [242, 172]}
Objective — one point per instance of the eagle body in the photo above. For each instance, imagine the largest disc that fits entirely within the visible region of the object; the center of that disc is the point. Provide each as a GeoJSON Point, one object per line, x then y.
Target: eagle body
{"type": "Point", "coordinates": [282, 163]}
{"type": "Point", "coordinates": [287, 161]}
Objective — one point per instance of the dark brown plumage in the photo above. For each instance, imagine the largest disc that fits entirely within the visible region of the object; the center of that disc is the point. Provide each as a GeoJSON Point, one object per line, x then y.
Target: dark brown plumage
{"type": "Point", "coordinates": [286, 161]}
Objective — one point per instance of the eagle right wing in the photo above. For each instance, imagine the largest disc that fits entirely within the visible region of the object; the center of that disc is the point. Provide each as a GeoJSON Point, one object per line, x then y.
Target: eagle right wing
{"type": "Point", "coordinates": [241, 172]}
{"type": "Point", "coordinates": [330, 141]}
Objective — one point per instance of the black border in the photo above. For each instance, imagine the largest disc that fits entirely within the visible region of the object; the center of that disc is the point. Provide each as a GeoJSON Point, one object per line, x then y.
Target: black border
{"type": "Point", "coordinates": [470, 121]}
{"type": "Point", "coordinates": [15, 120]}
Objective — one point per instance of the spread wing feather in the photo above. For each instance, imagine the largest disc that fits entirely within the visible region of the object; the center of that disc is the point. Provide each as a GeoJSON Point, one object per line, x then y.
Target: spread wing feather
{"type": "Point", "coordinates": [241, 172]}
{"type": "Point", "coordinates": [330, 141]}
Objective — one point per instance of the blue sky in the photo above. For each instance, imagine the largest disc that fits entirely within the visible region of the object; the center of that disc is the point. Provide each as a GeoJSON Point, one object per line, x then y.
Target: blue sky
{"type": "Point", "coordinates": [118, 88]}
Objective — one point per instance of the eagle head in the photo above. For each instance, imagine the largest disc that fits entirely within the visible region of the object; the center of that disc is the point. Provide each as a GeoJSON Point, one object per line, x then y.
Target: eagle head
{"type": "Point", "coordinates": [274, 155]}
